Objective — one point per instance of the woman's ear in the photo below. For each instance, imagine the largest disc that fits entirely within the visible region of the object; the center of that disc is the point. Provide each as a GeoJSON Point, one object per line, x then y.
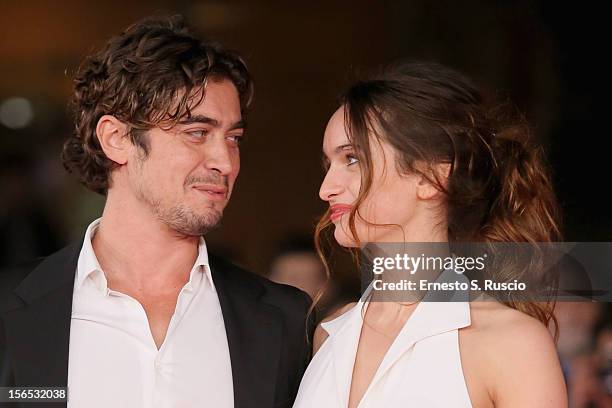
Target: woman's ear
{"type": "Point", "coordinates": [112, 136]}
{"type": "Point", "coordinates": [426, 190]}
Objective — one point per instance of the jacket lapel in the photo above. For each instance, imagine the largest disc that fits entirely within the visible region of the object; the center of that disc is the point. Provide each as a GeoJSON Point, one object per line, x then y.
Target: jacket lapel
{"type": "Point", "coordinates": [254, 335]}
{"type": "Point", "coordinates": [38, 332]}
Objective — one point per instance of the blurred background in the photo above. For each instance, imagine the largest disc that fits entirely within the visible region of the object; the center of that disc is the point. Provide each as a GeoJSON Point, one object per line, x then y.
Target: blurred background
{"type": "Point", "coordinates": [545, 56]}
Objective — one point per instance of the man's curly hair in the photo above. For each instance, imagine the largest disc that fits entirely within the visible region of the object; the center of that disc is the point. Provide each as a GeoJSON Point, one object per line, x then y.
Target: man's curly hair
{"type": "Point", "coordinates": [150, 75]}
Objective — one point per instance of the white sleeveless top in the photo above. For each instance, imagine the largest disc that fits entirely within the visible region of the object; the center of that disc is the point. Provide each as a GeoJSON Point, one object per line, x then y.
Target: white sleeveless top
{"type": "Point", "coordinates": [422, 367]}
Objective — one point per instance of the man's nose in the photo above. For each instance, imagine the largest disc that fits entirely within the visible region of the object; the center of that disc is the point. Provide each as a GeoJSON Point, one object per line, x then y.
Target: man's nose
{"type": "Point", "coordinates": [219, 157]}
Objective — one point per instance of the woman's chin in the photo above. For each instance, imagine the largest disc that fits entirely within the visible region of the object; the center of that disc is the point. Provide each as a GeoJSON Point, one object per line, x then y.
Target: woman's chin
{"type": "Point", "coordinates": [344, 239]}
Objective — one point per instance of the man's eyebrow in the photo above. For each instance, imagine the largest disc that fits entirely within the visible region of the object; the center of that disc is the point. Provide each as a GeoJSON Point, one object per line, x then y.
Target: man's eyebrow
{"type": "Point", "coordinates": [199, 119]}
{"type": "Point", "coordinates": [241, 124]}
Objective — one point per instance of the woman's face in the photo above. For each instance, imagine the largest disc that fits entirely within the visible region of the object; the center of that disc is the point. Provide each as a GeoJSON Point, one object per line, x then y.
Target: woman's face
{"type": "Point", "coordinates": [394, 198]}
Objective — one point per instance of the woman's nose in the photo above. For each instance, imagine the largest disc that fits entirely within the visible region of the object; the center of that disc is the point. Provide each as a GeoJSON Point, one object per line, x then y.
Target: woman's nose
{"type": "Point", "coordinates": [330, 187]}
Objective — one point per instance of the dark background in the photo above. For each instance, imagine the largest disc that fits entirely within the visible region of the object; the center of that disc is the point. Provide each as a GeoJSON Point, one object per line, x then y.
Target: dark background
{"type": "Point", "coordinates": [549, 58]}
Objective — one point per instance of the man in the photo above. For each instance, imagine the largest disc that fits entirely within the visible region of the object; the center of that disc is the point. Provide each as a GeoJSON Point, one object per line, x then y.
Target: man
{"type": "Point", "coordinates": [138, 314]}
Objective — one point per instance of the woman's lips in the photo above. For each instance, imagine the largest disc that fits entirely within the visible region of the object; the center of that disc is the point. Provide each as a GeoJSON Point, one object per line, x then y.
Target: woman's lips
{"type": "Point", "coordinates": [338, 210]}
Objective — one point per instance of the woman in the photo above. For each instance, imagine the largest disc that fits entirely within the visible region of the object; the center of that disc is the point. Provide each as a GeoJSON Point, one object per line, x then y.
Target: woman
{"type": "Point", "coordinates": [417, 155]}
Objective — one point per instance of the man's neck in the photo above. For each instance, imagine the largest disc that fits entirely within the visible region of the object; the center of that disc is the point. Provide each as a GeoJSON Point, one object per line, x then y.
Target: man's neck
{"type": "Point", "coordinates": [137, 249]}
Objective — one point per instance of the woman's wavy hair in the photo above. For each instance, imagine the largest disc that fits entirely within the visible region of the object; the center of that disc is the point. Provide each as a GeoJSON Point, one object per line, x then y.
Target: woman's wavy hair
{"type": "Point", "coordinates": [498, 188]}
{"type": "Point", "coordinates": [152, 74]}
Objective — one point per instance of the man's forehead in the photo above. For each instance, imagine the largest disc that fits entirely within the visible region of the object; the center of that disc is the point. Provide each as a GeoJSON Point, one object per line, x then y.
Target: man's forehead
{"type": "Point", "coordinates": [211, 92]}
{"type": "Point", "coordinates": [217, 106]}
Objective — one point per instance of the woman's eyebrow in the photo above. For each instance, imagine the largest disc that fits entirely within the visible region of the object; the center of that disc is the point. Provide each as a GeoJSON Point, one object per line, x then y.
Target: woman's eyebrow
{"type": "Point", "coordinates": [325, 159]}
{"type": "Point", "coordinates": [343, 147]}
{"type": "Point", "coordinates": [338, 149]}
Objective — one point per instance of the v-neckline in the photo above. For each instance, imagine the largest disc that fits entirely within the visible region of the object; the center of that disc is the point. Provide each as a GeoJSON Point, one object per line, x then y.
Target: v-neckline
{"type": "Point", "coordinates": [428, 318]}
{"type": "Point", "coordinates": [375, 375]}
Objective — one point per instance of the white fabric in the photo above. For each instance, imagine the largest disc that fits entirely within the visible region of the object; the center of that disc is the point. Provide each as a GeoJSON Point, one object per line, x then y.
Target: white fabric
{"type": "Point", "coordinates": [422, 368]}
{"type": "Point", "coordinates": [113, 359]}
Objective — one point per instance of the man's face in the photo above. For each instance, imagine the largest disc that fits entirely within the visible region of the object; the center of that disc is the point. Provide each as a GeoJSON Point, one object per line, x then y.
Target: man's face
{"type": "Point", "coordinates": [189, 173]}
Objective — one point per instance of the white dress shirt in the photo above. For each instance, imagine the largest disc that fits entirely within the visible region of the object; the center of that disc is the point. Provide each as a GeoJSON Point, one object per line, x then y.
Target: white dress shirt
{"type": "Point", "coordinates": [113, 360]}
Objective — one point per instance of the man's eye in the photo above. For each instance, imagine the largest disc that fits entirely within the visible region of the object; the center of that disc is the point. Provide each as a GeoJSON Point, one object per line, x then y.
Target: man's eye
{"type": "Point", "coordinates": [198, 133]}
{"type": "Point", "coordinates": [351, 159]}
{"type": "Point", "coordinates": [236, 139]}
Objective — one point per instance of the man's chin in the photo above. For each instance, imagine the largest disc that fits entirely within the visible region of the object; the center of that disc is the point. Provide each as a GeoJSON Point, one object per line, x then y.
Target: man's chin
{"type": "Point", "coordinates": [191, 223]}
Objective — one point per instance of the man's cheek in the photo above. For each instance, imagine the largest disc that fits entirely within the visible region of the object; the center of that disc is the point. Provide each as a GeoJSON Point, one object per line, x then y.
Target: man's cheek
{"type": "Point", "coordinates": [236, 165]}
{"type": "Point", "coordinates": [234, 176]}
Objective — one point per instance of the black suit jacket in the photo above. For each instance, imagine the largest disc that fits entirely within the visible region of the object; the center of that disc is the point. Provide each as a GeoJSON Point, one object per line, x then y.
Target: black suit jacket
{"type": "Point", "coordinates": [265, 325]}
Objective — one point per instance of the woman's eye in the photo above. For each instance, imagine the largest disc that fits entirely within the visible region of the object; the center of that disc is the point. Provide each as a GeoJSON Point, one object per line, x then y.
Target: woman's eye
{"type": "Point", "coordinates": [351, 159]}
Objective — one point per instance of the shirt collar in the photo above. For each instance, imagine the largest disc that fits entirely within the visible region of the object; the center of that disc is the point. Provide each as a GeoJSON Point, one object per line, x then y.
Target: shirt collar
{"type": "Point", "coordinates": [202, 264]}
{"type": "Point", "coordinates": [88, 264]}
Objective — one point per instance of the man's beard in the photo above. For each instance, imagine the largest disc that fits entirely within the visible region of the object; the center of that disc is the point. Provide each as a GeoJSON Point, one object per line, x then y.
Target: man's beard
{"type": "Point", "coordinates": [180, 218]}
{"type": "Point", "coordinates": [186, 222]}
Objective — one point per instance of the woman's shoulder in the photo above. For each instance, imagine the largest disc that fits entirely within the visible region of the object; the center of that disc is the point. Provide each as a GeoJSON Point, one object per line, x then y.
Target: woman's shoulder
{"type": "Point", "coordinates": [504, 346]}
{"type": "Point", "coordinates": [320, 335]}
{"type": "Point", "coordinates": [493, 318]}
{"type": "Point", "coordinates": [495, 324]}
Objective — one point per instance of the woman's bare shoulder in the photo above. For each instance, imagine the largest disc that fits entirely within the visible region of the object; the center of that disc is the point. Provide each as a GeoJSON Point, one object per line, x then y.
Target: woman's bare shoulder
{"type": "Point", "coordinates": [320, 334]}
{"type": "Point", "coordinates": [513, 348]}
{"type": "Point", "coordinates": [489, 317]}
{"type": "Point", "coordinates": [496, 322]}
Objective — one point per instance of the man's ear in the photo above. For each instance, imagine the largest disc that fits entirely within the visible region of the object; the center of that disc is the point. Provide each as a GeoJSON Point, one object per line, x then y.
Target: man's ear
{"type": "Point", "coordinates": [112, 136]}
{"type": "Point", "coordinates": [427, 190]}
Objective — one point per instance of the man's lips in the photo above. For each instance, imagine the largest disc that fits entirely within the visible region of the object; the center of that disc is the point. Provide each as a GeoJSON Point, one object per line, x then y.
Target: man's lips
{"type": "Point", "coordinates": [214, 192]}
{"type": "Point", "coordinates": [338, 210]}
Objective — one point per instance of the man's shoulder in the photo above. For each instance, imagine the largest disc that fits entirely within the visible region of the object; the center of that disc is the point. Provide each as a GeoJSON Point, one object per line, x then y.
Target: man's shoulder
{"type": "Point", "coordinates": [13, 277]}
{"type": "Point", "coordinates": [10, 278]}
{"type": "Point", "coordinates": [289, 299]}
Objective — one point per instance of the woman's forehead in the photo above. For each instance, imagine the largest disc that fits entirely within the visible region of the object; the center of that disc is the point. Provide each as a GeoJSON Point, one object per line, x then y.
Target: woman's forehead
{"type": "Point", "coordinates": [335, 134]}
